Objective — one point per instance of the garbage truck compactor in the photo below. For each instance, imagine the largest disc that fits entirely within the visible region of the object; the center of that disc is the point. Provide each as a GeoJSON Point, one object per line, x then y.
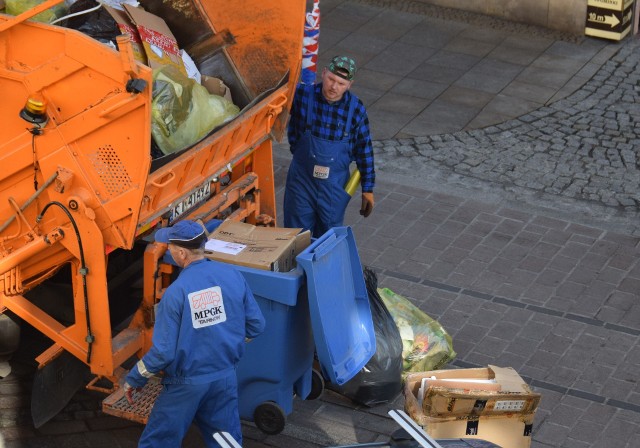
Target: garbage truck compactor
{"type": "Point", "coordinates": [81, 194]}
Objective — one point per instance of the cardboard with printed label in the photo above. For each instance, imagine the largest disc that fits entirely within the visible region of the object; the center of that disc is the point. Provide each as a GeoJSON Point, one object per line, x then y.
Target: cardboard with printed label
{"type": "Point", "coordinates": [457, 406]}
{"type": "Point", "coordinates": [268, 248]}
{"type": "Point", "coordinates": [160, 46]}
{"type": "Point", "coordinates": [125, 26]}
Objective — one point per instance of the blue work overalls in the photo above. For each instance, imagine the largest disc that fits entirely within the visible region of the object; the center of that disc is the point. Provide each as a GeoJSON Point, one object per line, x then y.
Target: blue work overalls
{"type": "Point", "coordinates": [314, 196]}
{"type": "Point", "coordinates": [197, 355]}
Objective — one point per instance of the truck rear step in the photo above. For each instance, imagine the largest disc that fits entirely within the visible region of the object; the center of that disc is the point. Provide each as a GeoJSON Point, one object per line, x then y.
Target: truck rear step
{"type": "Point", "coordinates": [116, 404]}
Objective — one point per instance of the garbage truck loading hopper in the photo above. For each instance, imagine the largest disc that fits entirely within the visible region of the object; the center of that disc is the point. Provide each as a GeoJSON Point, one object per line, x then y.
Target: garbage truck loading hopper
{"type": "Point", "coordinates": [79, 184]}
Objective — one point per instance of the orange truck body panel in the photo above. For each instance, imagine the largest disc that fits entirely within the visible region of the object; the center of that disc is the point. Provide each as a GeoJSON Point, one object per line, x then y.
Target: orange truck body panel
{"type": "Point", "coordinates": [84, 184]}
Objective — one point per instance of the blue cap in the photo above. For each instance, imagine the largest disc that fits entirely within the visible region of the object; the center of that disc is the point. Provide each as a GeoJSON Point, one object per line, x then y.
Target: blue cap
{"type": "Point", "coordinates": [187, 234]}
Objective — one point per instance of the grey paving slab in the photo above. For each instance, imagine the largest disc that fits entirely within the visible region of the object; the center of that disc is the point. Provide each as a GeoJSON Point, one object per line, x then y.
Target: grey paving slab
{"type": "Point", "coordinates": [490, 76]}
{"type": "Point", "coordinates": [440, 114]}
{"type": "Point", "coordinates": [511, 52]}
{"type": "Point", "coordinates": [558, 63]}
{"type": "Point", "coordinates": [531, 92]}
{"type": "Point", "coordinates": [390, 25]}
{"type": "Point", "coordinates": [394, 111]}
{"type": "Point", "coordinates": [361, 46]}
{"type": "Point", "coordinates": [445, 58]}
{"type": "Point", "coordinates": [419, 89]}
{"type": "Point", "coordinates": [375, 80]}
{"type": "Point", "coordinates": [469, 45]}
{"type": "Point", "coordinates": [433, 33]}
{"type": "Point", "coordinates": [527, 43]}
{"type": "Point", "coordinates": [398, 59]}
{"type": "Point", "coordinates": [429, 72]}
{"type": "Point", "coordinates": [485, 119]}
{"type": "Point", "coordinates": [350, 17]}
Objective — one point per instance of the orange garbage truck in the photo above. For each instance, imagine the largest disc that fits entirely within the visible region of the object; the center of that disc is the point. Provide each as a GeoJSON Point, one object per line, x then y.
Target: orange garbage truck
{"type": "Point", "coordinates": [82, 189]}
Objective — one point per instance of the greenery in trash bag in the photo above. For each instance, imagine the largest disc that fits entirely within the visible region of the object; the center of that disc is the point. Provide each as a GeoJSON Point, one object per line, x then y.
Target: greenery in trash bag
{"type": "Point", "coordinates": [426, 345]}
{"type": "Point", "coordinates": [15, 7]}
{"type": "Point", "coordinates": [182, 111]}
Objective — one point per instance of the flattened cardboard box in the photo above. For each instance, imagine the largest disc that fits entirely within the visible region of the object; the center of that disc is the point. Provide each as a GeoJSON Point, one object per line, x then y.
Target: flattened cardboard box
{"type": "Point", "coordinates": [126, 27]}
{"type": "Point", "coordinates": [158, 41]}
{"type": "Point", "coordinates": [267, 248]}
{"type": "Point", "coordinates": [503, 416]}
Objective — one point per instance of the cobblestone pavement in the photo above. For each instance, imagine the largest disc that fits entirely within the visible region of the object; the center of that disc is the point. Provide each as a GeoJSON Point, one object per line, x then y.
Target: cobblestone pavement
{"type": "Point", "coordinates": [582, 148]}
{"type": "Point", "coordinates": [520, 238]}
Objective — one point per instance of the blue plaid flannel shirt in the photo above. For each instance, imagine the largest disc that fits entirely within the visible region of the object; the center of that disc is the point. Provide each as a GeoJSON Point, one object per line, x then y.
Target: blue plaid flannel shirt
{"type": "Point", "coordinates": [323, 126]}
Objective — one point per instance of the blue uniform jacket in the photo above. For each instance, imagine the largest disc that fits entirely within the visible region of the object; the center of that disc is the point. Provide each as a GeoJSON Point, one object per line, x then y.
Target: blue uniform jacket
{"type": "Point", "coordinates": [201, 325]}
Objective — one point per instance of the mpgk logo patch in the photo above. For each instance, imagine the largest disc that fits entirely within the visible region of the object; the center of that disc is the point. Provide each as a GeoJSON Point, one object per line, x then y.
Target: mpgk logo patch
{"type": "Point", "coordinates": [207, 307]}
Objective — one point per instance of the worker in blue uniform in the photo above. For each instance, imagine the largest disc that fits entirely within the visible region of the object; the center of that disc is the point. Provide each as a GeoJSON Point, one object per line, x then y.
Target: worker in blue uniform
{"type": "Point", "coordinates": [202, 323]}
{"type": "Point", "coordinates": [328, 129]}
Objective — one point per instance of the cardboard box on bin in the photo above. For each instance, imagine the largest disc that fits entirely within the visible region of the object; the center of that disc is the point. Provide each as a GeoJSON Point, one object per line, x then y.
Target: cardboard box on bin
{"type": "Point", "coordinates": [504, 417]}
{"type": "Point", "coordinates": [269, 248]}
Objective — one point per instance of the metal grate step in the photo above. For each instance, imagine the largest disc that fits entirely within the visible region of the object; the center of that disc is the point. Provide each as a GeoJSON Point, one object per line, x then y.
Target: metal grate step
{"type": "Point", "coordinates": [116, 404]}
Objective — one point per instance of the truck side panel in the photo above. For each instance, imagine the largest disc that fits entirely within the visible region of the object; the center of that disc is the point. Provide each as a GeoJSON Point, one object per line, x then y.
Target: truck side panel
{"type": "Point", "coordinates": [79, 183]}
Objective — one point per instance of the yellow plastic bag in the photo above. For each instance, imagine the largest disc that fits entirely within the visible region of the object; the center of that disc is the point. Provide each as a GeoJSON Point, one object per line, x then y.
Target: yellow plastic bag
{"type": "Point", "coordinates": [182, 111]}
{"type": "Point", "coordinates": [15, 7]}
{"type": "Point", "coordinates": [425, 343]}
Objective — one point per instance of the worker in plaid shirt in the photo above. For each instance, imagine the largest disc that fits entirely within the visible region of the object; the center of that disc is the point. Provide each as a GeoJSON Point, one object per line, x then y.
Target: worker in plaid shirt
{"type": "Point", "coordinates": [328, 130]}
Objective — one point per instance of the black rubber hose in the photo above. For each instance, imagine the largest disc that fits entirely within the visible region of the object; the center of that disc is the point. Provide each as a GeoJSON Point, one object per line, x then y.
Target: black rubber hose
{"type": "Point", "coordinates": [83, 271]}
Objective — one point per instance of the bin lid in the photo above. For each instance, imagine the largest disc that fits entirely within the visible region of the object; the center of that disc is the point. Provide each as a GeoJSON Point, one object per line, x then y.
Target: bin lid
{"type": "Point", "coordinates": [339, 304]}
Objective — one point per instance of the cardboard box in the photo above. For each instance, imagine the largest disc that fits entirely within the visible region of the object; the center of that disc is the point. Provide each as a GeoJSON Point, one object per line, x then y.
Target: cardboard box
{"type": "Point", "coordinates": [160, 45]}
{"type": "Point", "coordinates": [125, 26]}
{"type": "Point", "coordinates": [268, 248]}
{"type": "Point", "coordinates": [215, 86]}
{"type": "Point", "coordinates": [463, 409]}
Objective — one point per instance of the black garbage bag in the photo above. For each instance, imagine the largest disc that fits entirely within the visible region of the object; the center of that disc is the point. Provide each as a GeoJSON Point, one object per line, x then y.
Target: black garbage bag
{"type": "Point", "coordinates": [380, 380]}
{"type": "Point", "coordinates": [97, 24]}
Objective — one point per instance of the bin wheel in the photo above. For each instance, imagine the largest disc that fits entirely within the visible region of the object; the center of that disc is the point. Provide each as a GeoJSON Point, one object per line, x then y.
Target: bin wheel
{"type": "Point", "coordinates": [269, 418]}
{"type": "Point", "coordinates": [317, 385]}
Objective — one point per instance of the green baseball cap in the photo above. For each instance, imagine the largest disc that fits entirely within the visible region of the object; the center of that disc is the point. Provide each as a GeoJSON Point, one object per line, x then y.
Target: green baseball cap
{"type": "Point", "coordinates": [341, 64]}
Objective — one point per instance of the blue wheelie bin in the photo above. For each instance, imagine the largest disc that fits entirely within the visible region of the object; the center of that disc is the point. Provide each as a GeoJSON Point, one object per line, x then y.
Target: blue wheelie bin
{"type": "Point", "coordinates": [279, 362]}
{"type": "Point", "coordinates": [320, 306]}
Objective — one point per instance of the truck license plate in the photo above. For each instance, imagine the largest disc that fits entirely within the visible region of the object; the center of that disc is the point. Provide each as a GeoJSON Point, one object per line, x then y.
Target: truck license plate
{"type": "Point", "coordinates": [197, 196]}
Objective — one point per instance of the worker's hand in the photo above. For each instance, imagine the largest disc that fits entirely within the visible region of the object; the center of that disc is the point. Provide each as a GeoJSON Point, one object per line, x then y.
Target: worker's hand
{"type": "Point", "coordinates": [129, 390]}
{"type": "Point", "coordinates": [367, 204]}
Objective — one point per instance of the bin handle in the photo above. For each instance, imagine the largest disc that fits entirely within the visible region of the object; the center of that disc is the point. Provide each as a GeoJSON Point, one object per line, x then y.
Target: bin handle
{"type": "Point", "coordinates": [171, 176]}
{"type": "Point", "coordinates": [275, 109]}
{"type": "Point", "coordinates": [327, 245]}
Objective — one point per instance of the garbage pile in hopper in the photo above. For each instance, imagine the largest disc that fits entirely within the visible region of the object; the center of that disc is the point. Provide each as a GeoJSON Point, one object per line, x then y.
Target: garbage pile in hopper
{"type": "Point", "coordinates": [186, 106]}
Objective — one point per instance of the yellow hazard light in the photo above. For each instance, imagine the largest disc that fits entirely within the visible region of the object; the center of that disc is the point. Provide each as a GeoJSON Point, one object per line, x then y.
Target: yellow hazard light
{"type": "Point", "coordinates": [34, 111]}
